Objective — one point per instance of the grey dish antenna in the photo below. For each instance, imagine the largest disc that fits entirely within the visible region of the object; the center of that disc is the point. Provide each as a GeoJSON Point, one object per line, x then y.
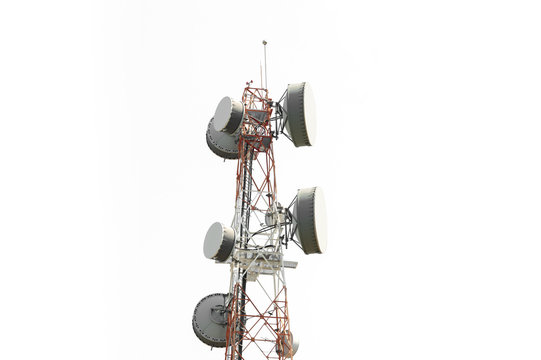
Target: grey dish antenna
{"type": "Point", "coordinates": [228, 115]}
{"type": "Point", "coordinates": [300, 115]}
{"type": "Point", "coordinates": [310, 215]}
{"type": "Point", "coordinates": [224, 128]}
{"type": "Point", "coordinates": [223, 144]}
{"type": "Point", "coordinates": [285, 345]}
{"type": "Point", "coordinates": [219, 242]}
{"type": "Point", "coordinates": [209, 320]}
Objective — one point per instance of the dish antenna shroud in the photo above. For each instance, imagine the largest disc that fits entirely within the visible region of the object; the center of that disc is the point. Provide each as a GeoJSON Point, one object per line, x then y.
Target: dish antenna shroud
{"type": "Point", "coordinates": [300, 118]}
{"type": "Point", "coordinates": [311, 219]}
{"type": "Point", "coordinates": [209, 321]}
{"type": "Point", "coordinates": [219, 242]}
{"type": "Point", "coordinates": [228, 116]}
{"type": "Point", "coordinates": [221, 143]}
{"type": "Point", "coordinates": [283, 345]}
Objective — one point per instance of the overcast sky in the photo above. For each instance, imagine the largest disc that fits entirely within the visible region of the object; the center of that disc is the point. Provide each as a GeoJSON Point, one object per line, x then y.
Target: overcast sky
{"type": "Point", "coordinates": [428, 150]}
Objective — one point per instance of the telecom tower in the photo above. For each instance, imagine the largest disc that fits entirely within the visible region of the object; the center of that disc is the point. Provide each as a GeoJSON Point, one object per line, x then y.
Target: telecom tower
{"type": "Point", "coordinates": [252, 320]}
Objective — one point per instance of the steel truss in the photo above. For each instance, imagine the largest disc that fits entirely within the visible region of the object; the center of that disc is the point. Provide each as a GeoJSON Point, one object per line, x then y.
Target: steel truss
{"type": "Point", "coordinates": [258, 320]}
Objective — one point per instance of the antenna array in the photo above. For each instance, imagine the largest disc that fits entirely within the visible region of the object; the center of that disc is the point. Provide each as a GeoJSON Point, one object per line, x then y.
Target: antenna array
{"type": "Point", "coordinates": [254, 323]}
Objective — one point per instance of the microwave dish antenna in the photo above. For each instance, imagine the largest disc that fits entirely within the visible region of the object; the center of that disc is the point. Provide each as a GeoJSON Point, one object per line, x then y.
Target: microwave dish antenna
{"type": "Point", "coordinates": [300, 119]}
{"type": "Point", "coordinates": [228, 115]}
{"type": "Point", "coordinates": [209, 320]}
{"type": "Point", "coordinates": [311, 220]}
{"type": "Point", "coordinates": [285, 347]}
{"type": "Point", "coordinates": [221, 143]}
{"type": "Point", "coordinates": [219, 242]}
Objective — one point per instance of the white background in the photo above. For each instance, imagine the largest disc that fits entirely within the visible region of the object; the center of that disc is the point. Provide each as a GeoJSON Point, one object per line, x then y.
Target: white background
{"type": "Point", "coordinates": [428, 151]}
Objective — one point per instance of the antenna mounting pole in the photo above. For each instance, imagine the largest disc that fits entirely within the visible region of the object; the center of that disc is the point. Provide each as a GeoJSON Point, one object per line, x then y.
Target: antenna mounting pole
{"type": "Point", "coordinates": [265, 56]}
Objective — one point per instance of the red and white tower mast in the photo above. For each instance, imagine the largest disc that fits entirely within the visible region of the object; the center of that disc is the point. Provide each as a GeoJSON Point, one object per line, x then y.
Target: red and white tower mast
{"type": "Point", "coordinates": [258, 318]}
{"type": "Point", "coordinates": [252, 320]}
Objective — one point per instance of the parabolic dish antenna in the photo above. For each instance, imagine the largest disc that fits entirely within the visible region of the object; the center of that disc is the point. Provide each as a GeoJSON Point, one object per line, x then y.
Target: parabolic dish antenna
{"type": "Point", "coordinates": [209, 320]}
{"type": "Point", "coordinates": [286, 347]}
{"type": "Point", "coordinates": [300, 114]}
{"type": "Point", "coordinates": [219, 242]}
{"type": "Point", "coordinates": [228, 116]}
{"type": "Point", "coordinates": [221, 143]}
{"type": "Point", "coordinates": [310, 215]}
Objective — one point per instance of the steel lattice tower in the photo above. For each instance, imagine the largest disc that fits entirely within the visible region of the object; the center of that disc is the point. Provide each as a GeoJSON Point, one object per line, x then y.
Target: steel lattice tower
{"type": "Point", "coordinates": [252, 320]}
{"type": "Point", "coordinates": [261, 324]}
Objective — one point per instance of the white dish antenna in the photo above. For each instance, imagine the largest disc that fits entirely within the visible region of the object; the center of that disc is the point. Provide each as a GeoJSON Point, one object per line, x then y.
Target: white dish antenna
{"type": "Point", "coordinates": [300, 117]}
{"type": "Point", "coordinates": [219, 242]}
{"type": "Point", "coordinates": [310, 214]}
{"type": "Point", "coordinates": [285, 345]}
{"type": "Point", "coordinates": [209, 320]}
{"type": "Point", "coordinates": [228, 116]}
{"type": "Point", "coordinates": [223, 144]}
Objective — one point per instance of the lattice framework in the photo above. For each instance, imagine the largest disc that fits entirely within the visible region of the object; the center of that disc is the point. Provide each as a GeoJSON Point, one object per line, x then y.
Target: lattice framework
{"type": "Point", "coordinates": [258, 319]}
